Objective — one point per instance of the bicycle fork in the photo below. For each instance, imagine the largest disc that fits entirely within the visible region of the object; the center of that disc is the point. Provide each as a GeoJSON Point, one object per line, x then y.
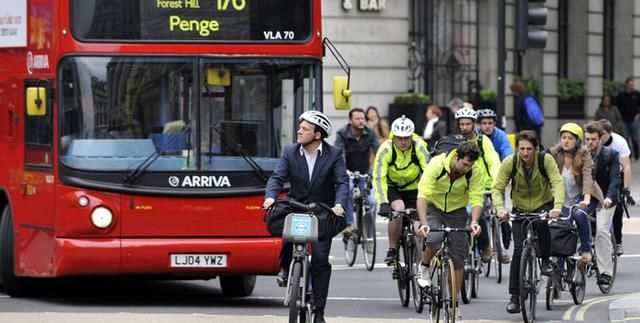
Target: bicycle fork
{"type": "Point", "coordinates": [300, 255]}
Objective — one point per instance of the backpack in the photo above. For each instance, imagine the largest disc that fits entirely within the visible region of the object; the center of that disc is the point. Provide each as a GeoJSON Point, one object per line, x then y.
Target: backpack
{"type": "Point", "coordinates": [541, 168]}
{"type": "Point", "coordinates": [534, 111]}
{"type": "Point", "coordinates": [448, 143]}
{"type": "Point", "coordinates": [414, 160]}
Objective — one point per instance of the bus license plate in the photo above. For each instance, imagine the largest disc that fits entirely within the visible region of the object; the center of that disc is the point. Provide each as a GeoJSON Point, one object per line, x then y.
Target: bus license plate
{"type": "Point", "coordinates": [198, 260]}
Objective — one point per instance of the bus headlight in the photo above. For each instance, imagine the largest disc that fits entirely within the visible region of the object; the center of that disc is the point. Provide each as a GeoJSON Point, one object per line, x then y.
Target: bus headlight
{"type": "Point", "coordinates": [101, 217]}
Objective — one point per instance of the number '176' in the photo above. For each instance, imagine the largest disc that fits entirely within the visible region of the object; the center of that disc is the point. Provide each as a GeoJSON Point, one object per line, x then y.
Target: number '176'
{"type": "Point", "coordinates": [238, 5]}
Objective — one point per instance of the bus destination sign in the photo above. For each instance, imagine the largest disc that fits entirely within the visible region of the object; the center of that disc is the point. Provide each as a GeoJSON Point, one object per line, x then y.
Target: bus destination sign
{"type": "Point", "coordinates": [193, 20]}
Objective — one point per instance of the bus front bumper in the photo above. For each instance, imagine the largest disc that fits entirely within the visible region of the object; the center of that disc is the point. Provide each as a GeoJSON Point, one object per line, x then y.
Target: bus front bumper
{"type": "Point", "coordinates": [153, 256]}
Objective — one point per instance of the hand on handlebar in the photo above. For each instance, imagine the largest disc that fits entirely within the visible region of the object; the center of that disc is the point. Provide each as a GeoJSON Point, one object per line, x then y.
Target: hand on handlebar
{"type": "Point", "coordinates": [555, 213]}
{"type": "Point", "coordinates": [423, 231]}
{"type": "Point", "coordinates": [267, 203]}
{"type": "Point", "coordinates": [338, 210]}
{"type": "Point", "coordinates": [475, 228]}
{"type": "Point", "coordinates": [503, 214]}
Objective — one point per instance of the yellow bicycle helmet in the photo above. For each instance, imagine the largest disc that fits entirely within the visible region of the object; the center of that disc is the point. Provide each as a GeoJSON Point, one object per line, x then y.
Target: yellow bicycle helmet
{"type": "Point", "coordinates": [573, 128]}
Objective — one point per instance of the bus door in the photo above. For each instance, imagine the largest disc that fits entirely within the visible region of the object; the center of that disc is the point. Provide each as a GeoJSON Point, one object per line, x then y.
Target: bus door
{"type": "Point", "coordinates": [37, 183]}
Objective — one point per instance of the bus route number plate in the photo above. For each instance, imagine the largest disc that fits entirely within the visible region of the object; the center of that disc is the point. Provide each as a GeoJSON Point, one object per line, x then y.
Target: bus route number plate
{"type": "Point", "coordinates": [199, 260]}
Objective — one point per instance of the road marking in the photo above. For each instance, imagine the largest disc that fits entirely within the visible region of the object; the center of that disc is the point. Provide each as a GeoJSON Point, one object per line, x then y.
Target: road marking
{"type": "Point", "coordinates": [582, 308]}
{"type": "Point", "coordinates": [630, 256]}
{"type": "Point", "coordinates": [628, 319]}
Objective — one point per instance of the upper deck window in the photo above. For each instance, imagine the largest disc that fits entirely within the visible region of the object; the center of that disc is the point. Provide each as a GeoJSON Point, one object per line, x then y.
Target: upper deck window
{"type": "Point", "coordinates": [192, 20]}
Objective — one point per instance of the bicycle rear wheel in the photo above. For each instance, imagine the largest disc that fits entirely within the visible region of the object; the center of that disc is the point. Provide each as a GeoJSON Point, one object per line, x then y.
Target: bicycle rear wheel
{"type": "Point", "coordinates": [552, 291]}
{"type": "Point", "coordinates": [578, 282]}
{"type": "Point", "coordinates": [498, 249]}
{"type": "Point", "coordinates": [528, 284]}
{"type": "Point", "coordinates": [418, 298]}
{"type": "Point", "coordinates": [351, 242]}
{"type": "Point", "coordinates": [467, 276]}
{"type": "Point", "coordinates": [295, 293]}
{"type": "Point", "coordinates": [449, 292]}
{"type": "Point", "coordinates": [368, 240]}
{"type": "Point", "coordinates": [402, 274]}
{"type": "Point", "coordinates": [435, 292]}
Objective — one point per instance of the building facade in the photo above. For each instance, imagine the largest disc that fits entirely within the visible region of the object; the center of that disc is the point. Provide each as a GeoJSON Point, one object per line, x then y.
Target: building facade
{"type": "Point", "coordinates": [449, 48]}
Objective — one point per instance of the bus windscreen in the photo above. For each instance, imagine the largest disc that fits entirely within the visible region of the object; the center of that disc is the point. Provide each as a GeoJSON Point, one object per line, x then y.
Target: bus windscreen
{"type": "Point", "coordinates": [192, 20]}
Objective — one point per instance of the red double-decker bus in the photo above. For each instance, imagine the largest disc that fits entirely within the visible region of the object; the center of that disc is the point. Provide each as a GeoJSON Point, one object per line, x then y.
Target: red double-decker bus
{"type": "Point", "coordinates": [137, 135]}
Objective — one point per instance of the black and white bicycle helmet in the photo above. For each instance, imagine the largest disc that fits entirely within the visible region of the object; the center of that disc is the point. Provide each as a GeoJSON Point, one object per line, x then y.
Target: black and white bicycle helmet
{"type": "Point", "coordinates": [486, 113]}
{"type": "Point", "coordinates": [466, 112]}
{"type": "Point", "coordinates": [402, 127]}
{"type": "Point", "coordinates": [317, 118]}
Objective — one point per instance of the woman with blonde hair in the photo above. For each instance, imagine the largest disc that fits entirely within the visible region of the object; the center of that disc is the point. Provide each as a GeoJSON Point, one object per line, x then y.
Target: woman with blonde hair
{"type": "Point", "coordinates": [575, 165]}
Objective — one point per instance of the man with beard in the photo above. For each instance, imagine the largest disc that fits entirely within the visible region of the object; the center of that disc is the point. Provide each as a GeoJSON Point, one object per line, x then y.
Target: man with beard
{"type": "Point", "coordinates": [357, 141]}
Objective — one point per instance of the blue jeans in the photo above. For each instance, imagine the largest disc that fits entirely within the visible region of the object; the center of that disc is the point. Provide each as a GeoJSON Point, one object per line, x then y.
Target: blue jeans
{"type": "Point", "coordinates": [349, 207]}
{"type": "Point", "coordinates": [581, 218]}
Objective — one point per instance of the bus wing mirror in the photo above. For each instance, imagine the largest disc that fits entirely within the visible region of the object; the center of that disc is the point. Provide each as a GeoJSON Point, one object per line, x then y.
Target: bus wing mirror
{"type": "Point", "coordinates": [218, 76]}
{"type": "Point", "coordinates": [341, 84]}
{"type": "Point", "coordinates": [36, 101]}
{"type": "Point", "coordinates": [341, 93]}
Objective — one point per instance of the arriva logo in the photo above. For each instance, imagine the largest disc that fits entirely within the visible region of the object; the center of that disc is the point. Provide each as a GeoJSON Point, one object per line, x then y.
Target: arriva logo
{"type": "Point", "coordinates": [200, 181]}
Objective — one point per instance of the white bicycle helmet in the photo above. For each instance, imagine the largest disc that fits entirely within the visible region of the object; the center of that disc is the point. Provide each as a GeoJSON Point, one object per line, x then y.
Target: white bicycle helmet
{"type": "Point", "coordinates": [317, 118]}
{"type": "Point", "coordinates": [486, 113]}
{"type": "Point", "coordinates": [466, 112]}
{"type": "Point", "coordinates": [402, 127]}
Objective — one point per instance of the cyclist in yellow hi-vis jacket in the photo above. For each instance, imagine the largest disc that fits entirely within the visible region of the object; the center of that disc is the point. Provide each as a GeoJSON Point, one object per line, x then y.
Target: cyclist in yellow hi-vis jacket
{"type": "Point", "coordinates": [397, 168]}
{"type": "Point", "coordinates": [452, 182]}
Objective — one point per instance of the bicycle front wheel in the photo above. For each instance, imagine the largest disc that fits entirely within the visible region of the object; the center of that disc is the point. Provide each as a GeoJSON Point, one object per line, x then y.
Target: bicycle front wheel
{"type": "Point", "coordinates": [449, 292]}
{"type": "Point", "coordinates": [368, 234]}
{"type": "Point", "coordinates": [295, 293]}
{"type": "Point", "coordinates": [402, 274]}
{"type": "Point", "coordinates": [528, 284]}
{"type": "Point", "coordinates": [578, 283]}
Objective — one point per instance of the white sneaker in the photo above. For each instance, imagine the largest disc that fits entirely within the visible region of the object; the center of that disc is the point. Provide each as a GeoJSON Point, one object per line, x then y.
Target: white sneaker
{"type": "Point", "coordinates": [423, 276]}
{"type": "Point", "coordinates": [459, 315]}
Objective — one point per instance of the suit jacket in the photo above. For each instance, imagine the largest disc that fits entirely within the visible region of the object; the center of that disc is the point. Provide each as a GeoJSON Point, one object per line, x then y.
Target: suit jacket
{"type": "Point", "coordinates": [329, 182]}
{"type": "Point", "coordinates": [607, 173]}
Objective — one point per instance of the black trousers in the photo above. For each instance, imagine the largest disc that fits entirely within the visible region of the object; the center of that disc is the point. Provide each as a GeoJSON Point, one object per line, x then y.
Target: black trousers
{"type": "Point", "coordinates": [320, 269]}
{"type": "Point", "coordinates": [617, 222]}
{"type": "Point", "coordinates": [519, 230]}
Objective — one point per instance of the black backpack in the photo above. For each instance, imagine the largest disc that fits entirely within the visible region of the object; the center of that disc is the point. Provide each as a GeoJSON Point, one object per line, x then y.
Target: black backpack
{"type": "Point", "coordinates": [446, 145]}
{"type": "Point", "coordinates": [414, 160]}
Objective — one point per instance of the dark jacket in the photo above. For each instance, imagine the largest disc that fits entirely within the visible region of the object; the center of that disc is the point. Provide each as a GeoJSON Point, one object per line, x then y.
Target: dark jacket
{"type": "Point", "coordinates": [329, 181]}
{"type": "Point", "coordinates": [357, 150]}
{"type": "Point", "coordinates": [628, 103]}
{"type": "Point", "coordinates": [439, 131]}
{"type": "Point", "coordinates": [607, 172]}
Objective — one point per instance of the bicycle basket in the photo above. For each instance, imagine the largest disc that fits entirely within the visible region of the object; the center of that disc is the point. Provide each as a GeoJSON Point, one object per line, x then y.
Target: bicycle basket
{"type": "Point", "coordinates": [300, 227]}
{"type": "Point", "coordinates": [564, 238]}
{"type": "Point", "coordinates": [275, 216]}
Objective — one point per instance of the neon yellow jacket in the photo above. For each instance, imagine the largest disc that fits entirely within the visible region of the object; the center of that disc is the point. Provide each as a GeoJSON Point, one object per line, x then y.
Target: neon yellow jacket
{"type": "Point", "coordinates": [489, 160]}
{"type": "Point", "coordinates": [525, 197]}
{"type": "Point", "coordinates": [436, 187]}
{"type": "Point", "coordinates": [403, 174]}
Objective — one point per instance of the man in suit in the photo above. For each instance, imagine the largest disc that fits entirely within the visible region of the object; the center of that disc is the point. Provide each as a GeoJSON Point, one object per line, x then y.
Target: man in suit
{"type": "Point", "coordinates": [316, 172]}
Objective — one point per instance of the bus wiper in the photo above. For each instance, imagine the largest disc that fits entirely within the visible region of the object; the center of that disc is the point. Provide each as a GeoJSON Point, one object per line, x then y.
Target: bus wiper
{"type": "Point", "coordinates": [134, 174]}
{"type": "Point", "coordinates": [231, 143]}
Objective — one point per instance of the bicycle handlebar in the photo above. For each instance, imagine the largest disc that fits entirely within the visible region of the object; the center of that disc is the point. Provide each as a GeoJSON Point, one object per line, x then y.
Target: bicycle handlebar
{"type": "Point", "coordinates": [528, 215]}
{"type": "Point", "coordinates": [450, 229]}
{"type": "Point", "coordinates": [357, 174]}
{"type": "Point", "coordinates": [395, 214]}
